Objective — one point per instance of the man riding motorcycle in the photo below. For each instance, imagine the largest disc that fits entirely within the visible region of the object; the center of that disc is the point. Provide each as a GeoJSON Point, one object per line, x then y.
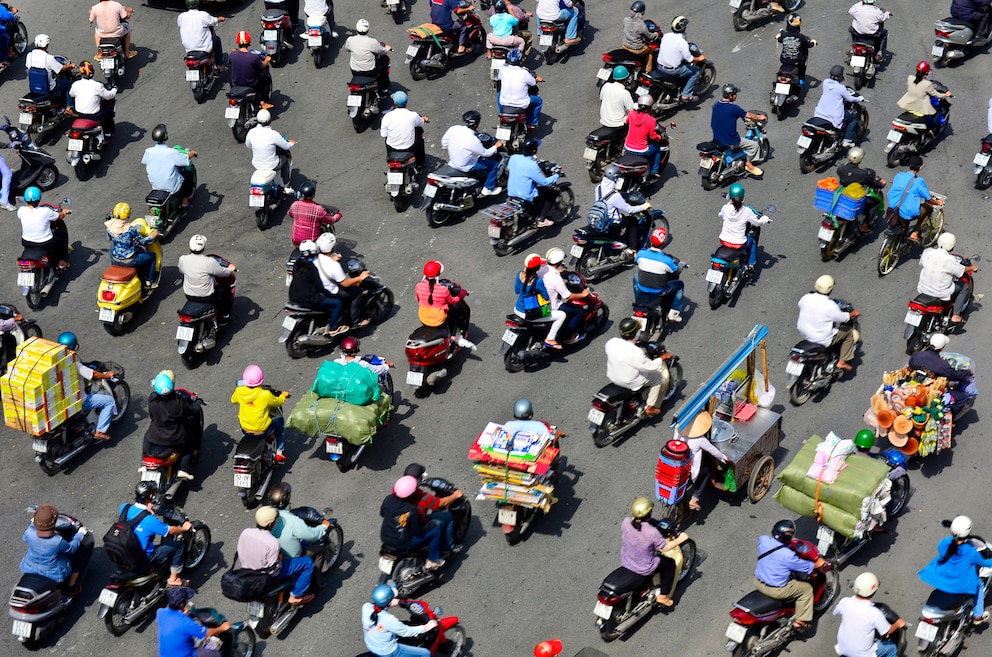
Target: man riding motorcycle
{"type": "Point", "coordinates": [337, 282]}
{"type": "Point", "coordinates": [795, 46]}
{"type": "Point", "coordinates": [832, 109]}
{"type": "Point", "coordinates": [43, 227]}
{"type": "Point", "coordinates": [941, 272]}
{"type": "Point", "coordinates": [975, 12]}
{"type": "Point", "coordinates": [255, 408]}
{"type": "Point", "coordinates": [675, 59]}
{"type": "Point", "coordinates": [439, 305]}
{"type": "Point", "coordinates": [620, 211]}
{"type": "Point", "coordinates": [963, 387]}
{"type": "Point", "coordinates": [289, 528]}
{"type": "Point", "coordinates": [165, 166]}
{"type": "Point", "coordinates": [307, 289]}
{"type": "Point", "coordinates": [57, 84]}
{"type": "Point", "coordinates": [50, 555]}
{"type": "Point", "coordinates": [259, 549]}
{"type": "Point", "coordinates": [196, 32]}
{"type": "Point", "coordinates": [849, 173]}
{"type": "Point", "coordinates": [173, 423]}
{"type": "Point", "coordinates": [637, 35]}
{"type": "Point", "coordinates": [723, 123]}
{"type": "Point", "coordinates": [910, 194]}
{"type": "Point", "coordinates": [151, 526]}
{"type": "Point", "coordinates": [351, 347]}
{"type": "Point", "coordinates": [441, 15]}
{"type": "Point", "coordinates": [628, 367]}
{"type": "Point", "coordinates": [773, 572]}
{"type": "Point", "coordinates": [563, 10]}
{"type": "Point", "coordinates": [402, 525]}
{"type": "Point", "coordinates": [199, 275]}
{"type": "Point", "coordinates": [653, 280]}
{"type": "Point", "coordinates": [736, 216]}
{"type": "Point", "coordinates": [819, 316]}
{"type": "Point", "coordinates": [641, 547]}
{"type": "Point", "coordinates": [369, 58]}
{"type": "Point", "coordinates": [403, 130]}
{"type": "Point", "coordinates": [502, 23]}
{"type": "Point", "coordinates": [615, 101]}
{"type": "Point", "coordinates": [308, 216]}
{"type": "Point", "coordinates": [267, 146]}
{"type": "Point", "coordinates": [182, 636]}
{"type": "Point", "coordinates": [867, 21]}
{"type": "Point", "coordinates": [111, 17]}
{"type": "Point", "coordinates": [104, 404]}
{"type": "Point", "coordinates": [431, 505]}
{"type": "Point", "coordinates": [467, 154]}
{"type": "Point", "coordinates": [514, 90]}
{"type": "Point", "coordinates": [250, 68]}
{"type": "Point", "coordinates": [561, 296]}
{"type": "Point", "coordinates": [861, 620]}
{"type": "Point", "coordinates": [86, 94]}
{"type": "Point", "coordinates": [526, 182]}
{"type": "Point", "coordinates": [381, 628]}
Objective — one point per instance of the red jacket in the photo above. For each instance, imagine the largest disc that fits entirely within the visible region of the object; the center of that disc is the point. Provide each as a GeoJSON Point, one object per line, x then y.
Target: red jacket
{"type": "Point", "coordinates": [643, 128]}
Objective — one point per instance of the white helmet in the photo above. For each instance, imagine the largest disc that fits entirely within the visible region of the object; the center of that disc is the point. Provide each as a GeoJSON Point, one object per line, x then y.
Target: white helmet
{"type": "Point", "coordinates": [362, 26]}
{"type": "Point", "coordinates": [938, 341]}
{"type": "Point", "coordinates": [264, 117]}
{"type": "Point", "coordinates": [865, 585]}
{"type": "Point", "coordinates": [308, 248]}
{"type": "Point", "coordinates": [197, 243]}
{"type": "Point", "coordinates": [42, 41]}
{"type": "Point", "coordinates": [326, 242]}
{"type": "Point", "coordinates": [824, 284]}
{"type": "Point", "coordinates": [947, 241]}
{"type": "Point", "coordinates": [555, 256]}
{"type": "Point", "coordinates": [961, 527]}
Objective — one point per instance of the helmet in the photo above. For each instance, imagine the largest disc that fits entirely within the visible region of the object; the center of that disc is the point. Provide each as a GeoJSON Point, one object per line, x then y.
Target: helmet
{"type": "Point", "coordinates": [264, 117]}
{"type": "Point", "coordinates": [433, 269]}
{"type": "Point", "coordinates": [69, 339]}
{"type": "Point", "coordinates": [947, 241]}
{"type": "Point", "coordinates": [638, 6]}
{"type": "Point", "coordinates": [645, 101]}
{"type": "Point", "coordinates": [122, 211]}
{"type": "Point", "coordinates": [611, 172]}
{"type": "Point", "coordinates": [961, 527]}
{"type": "Point", "coordinates": [280, 494]}
{"type": "Point", "coordinates": [197, 243]}
{"type": "Point", "coordinates": [794, 20]}
{"type": "Point", "coordinates": [532, 260]}
{"type": "Point", "coordinates": [32, 194]}
{"type": "Point", "coordinates": [855, 154]}
{"type": "Point", "coordinates": [924, 68]}
{"type": "Point", "coordinates": [471, 118]}
{"type": "Point", "coordinates": [574, 282]}
{"type": "Point", "coordinates": [243, 38]}
{"type": "Point", "coordinates": [729, 90]}
{"type": "Point", "coordinates": [530, 146]}
{"type": "Point", "coordinates": [628, 327]}
{"type": "Point", "coordinates": [326, 242]}
{"type": "Point", "coordinates": [515, 56]}
{"type": "Point", "coordinates": [362, 26]}
{"type": "Point", "coordinates": [350, 346]}
{"type": "Point", "coordinates": [253, 376]}
{"type": "Point", "coordinates": [824, 284]}
{"type": "Point", "coordinates": [192, 4]}
{"type": "Point", "coordinates": [523, 409]}
{"type": "Point", "coordinates": [939, 341]}
{"type": "Point", "coordinates": [404, 486]}
{"type": "Point", "coordinates": [382, 595]}
{"type": "Point", "coordinates": [42, 41]}
{"type": "Point", "coordinates": [865, 439]}
{"type": "Point", "coordinates": [620, 73]}
{"type": "Point", "coordinates": [736, 192]}
{"type": "Point", "coordinates": [837, 72]}
{"type": "Point", "coordinates": [865, 585]}
{"type": "Point", "coordinates": [144, 490]}
{"type": "Point", "coordinates": [163, 384]}
{"type": "Point", "coordinates": [550, 648]}
{"type": "Point", "coordinates": [308, 190]}
{"type": "Point", "coordinates": [265, 516]}
{"type": "Point", "coordinates": [659, 236]}
{"type": "Point", "coordinates": [500, 7]}
{"type": "Point", "coordinates": [868, 2]}
{"type": "Point", "coordinates": [680, 23]}
{"type": "Point", "coordinates": [308, 248]}
{"type": "Point", "coordinates": [160, 134]}
{"type": "Point", "coordinates": [641, 508]}
{"type": "Point", "coordinates": [554, 256]}
{"type": "Point", "coordinates": [400, 98]}
{"type": "Point", "coordinates": [86, 69]}
{"type": "Point", "coordinates": [416, 471]}
{"type": "Point", "coordinates": [353, 267]}
{"type": "Point", "coordinates": [783, 531]}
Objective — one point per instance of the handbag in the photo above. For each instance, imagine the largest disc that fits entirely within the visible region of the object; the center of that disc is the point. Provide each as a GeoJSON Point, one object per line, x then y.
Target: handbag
{"type": "Point", "coordinates": [243, 584]}
{"type": "Point", "coordinates": [535, 305]}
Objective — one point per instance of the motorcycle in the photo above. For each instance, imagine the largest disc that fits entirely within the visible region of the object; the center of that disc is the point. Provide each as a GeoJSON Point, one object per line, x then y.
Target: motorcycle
{"type": "Point", "coordinates": [821, 142]}
{"type": "Point", "coordinates": [812, 367]}
{"type": "Point", "coordinates": [450, 192]}
{"type": "Point", "coordinates": [397, 8]}
{"type": "Point", "coordinates": [37, 603]}
{"type": "Point", "coordinates": [761, 624]}
{"type": "Point", "coordinates": [326, 553]}
{"type": "Point", "coordinates": [512, 224]}
{"type": "Point", "coordinates": [113, 59]}
{"type": "Point", "coordinates": [85, 144]}
{"type": "Point", "coordinates": [165, 208]}
{"type": "Point", "coordinates": [24, 329]}
{"type": "Point", "coordinates": [131, 595]}
{"type": "Point", "coordinates": [633, 63]}
{"type": "Point", "coordinates": [896, 244]}
{"type": "Point", "coordinates": [304, 329]}
{"type": "Point", "coordinates": [603, 147]}
{"type": "Point", "coordinates": [243, 104]}
{"type": "Point", "coordinates": [161, 465]}
{"type": "Point", "coordinates": [363, 99]}
{"type": "Point", "coordinates": [654, 319]}
{"type": "Point", "coordinates": [198, 321]}
{"type": "Point", "coordinates": [201, 73]}
{"type": "Point", "coordinates": [255, 463]}
{"type": "Point", "coordinates": [727, 273]}
{"type": "Point", "coordinates": [278, 34]}
{"type": "Point", "coordinates": [719, 163]}
{"type": "Point", "coordinates": [18, 35]}
{"type": "Point", "coordinates": [616, 410]}
{"type": "Point", "coordinates": [910, 134]}
{"type": "Point", "coordinates": [36, 166]}
{"type": "Point", "coordinates": [983, 164]}
{"type": "Point", "coordinates": [37, 274]}
{"type": "Point", "coordinates": [447, 639]}
{"type": "Point", "coordinates": [318, 39]}
{"type": "Point", "coordinates": [401, 179]}
{"type": "Point", "coordinates": [786, 90]}
{"type": "Point", "coordinates": [264, 195]}
{"type": "Point", "coordinates": [552, 40]}
{"type": "Point", "coordinates": [41, 111]}
{"type": "Point", "coordinates": [239, 641]}
{"type": "Point", "coordinates": [123, 287]}
{"type": "Point", "coordinates": [862, 54]}
{"type": "Point", "coordinates": [955, 39]}
{"type": "Point", "coordinates": [667, 89]}
{"type": "Point", "coordinates": [752, 11]}
{"type": "Point", "coordinates": [433, 51]}
{"type": "Point", "coordinates": [597, 254]}
{"type": "Point", "coordinates": [496, 64]}
{"type": "Point", "coordinates": [928, 315]}
{"type": "Point", "coordinates": [625, 597]}
{"type": "Point", "coordinates": [513, 129]}
{"type": "Point", "coordinates": [837, 234]}
{"type": "Point", "coordinates": [339, 449]}
{"type": "Point", "coordinates": [428, 349]}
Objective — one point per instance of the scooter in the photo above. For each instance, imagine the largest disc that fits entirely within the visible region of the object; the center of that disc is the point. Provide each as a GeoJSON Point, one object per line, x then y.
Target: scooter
{"type": "Point", "coordinates": [278, 34]}
{"type": "Point", "coordinates": [199, 322]}
{"type": "Point", "coordinates": [928, 315]}
{"type": "Point", "coordinates": [812, 368]}
{"type": "Point", "coordinates": [598, 254]}
{"type": "Point", "coordinates": [719, 164]}
{"type": "Point", "coordinates": [728, 272]}
{"type": "Point", "coordinates": [37, 603]}
{"type": "Point", "coordinates": [752, 11]}
{"type": "Point", "coordinates": [617, 410]}
{"type": "Point", "coordinates": [910, 134]}
{"type": "Point", "coordinates": [512, 130]}
{"type": "Point", "coordinates": [18, 35]}
{"type": "Point", "coordinates": [667, 89]}
{"type": "Point", "coordinates": [85, 144]}
{"type": "Point", "coordinates": [264, 194]}
{"type": "Point", "coordinates": [239, 641]}
{"type": "Point", "coordinates": [625, 597]}
{"type": "Point", "coordinates": [761, 624]}
{"type": "Point", "coordinates": [429, 348]}
{"type": "Point", "coordinates": [450, 192]}
{"type": "Point", "coordinates": [603, 147]}
{"type": "Point", "coordinates": [401, 179]}
{"type": "Point", "coordinates": [552, 40]}
{"type": "Point", "coordinates": [512, 224]}
{"type": "Point", "coordinates": [821, 142]}
{"type": "Point", "coordinates": [37, 274]}
{"type": "Point", "coordinates": [397, 8]}
{"type": "Point", "coordinates": [862, 62]}
{"type": "Point", "coordinates": [123, 287]}
{"type": "Point", "coordinates": [165, 208]}
{"type": "Point", "coordinates": [983, 164]}
{"type": "Point", "coordinates": [955, 39]}
{"type": "Point", "coordinates": [24, 329]}
{"type": "Point", "coordinates": [41, 111]}
{"type": "Point", "coordinates": [433, 51]}
{"type": "Point", "coordinates": [201, 73]}
{"type": "Point", "coordinates": [254, 464]}
{"type": "Point", "coordinates": [113, 59]}
{"type": "Point", "coordinates": [447, 639]}
{"type": "Point", "coordinates": [131, 595]}
{"type": "Point", "coordinates": [161, 465]}
{"type": "Point", "coordinates": [363, 99]}
{"type": "Point", "coordinates": [243, 104]}
{"type": "Point", "coordinates": [37, 167]}
{"type": "Point", "coordinates": [339, 449]}
{"type": "Point", "coordinates": [786, 90]}
{"type": "Point", "coordinates": [318, 39]}
{"type": "Point", "coordinates": [837, 234]}
{"type": "Point", "coordinates": [622, 57]}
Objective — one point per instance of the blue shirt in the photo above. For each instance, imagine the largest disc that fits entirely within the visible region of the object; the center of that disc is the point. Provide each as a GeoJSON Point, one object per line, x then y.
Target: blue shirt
{"type": "Point", "coordinates": [537, 287]}
{"type": "Point", "coordinates": [380, 635]}
{"type": "Point", "coordinates": [147, 529]}
{"type": "Point", "coordinates": [525, 176]}
{"type": "Point", "coordinates": [958, 574]}
{"type": "Point", "coordinates": [124, 247]}
{"type": "Point", "coordinates": [775, 568]}
{"type": "Point", "coordinates": [177, 633]}
{"type": "Point", "coordinates": [918, 192]}
{"type": "Point", "coordinates": [48, 556]}
{"type": "Point", "coordinates": [162, 166]}
{"type": "Point", "coordinates": [723, 123]}
{"type": "Point", "coordinates": [503, 24]}
{"type": "Point", "coordinates": [441, 13]}
{"type": "Point", "coordinates": [653, 269]}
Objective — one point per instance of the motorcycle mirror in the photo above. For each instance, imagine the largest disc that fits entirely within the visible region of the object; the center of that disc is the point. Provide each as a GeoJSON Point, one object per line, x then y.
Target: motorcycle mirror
{"type": "Point", "coordinates": [976, 258]}
{"type": "Point", "coordinates": [327, 512]}
{"type": "Point", "coordinates": [771, 209]}
{"type": "Point", "coordinates": [67, 201]}
{"type": "Point", "coordinates": [945, 523]}
{"type": "Point", "coordinates": [437, 611]}
{"type": "Point", "coordinates": [673, 125]}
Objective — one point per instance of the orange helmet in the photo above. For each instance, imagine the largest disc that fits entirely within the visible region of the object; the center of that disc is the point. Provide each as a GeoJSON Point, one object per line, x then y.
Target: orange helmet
{"type": "Point", "coordinates": [243, 38]}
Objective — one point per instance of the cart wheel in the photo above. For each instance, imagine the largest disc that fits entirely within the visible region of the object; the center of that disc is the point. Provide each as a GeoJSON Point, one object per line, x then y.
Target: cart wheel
{"type": "Point", "coordinates": [761, 479]}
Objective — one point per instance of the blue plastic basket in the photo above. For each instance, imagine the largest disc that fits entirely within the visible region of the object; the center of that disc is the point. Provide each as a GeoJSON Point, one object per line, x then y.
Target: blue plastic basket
{"type": "Point", "coordinates": [670, 495]}
{"type": "Point", "coordinates": [845, 207]}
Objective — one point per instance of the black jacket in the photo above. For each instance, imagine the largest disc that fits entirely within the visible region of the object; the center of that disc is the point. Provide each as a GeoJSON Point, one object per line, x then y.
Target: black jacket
{"type": "Point", "coordinates": [795, 46]}
{"type": "Point", "coordinates": [306, 289]}
{"type": "Point", "coordinates": [930, 360]}
{"type": "Point", "coordinates": [849, 173]}
{"type": "Point", "coordinates": [169, 415]}
{"type": "Point", "coordinates": [400, 521]}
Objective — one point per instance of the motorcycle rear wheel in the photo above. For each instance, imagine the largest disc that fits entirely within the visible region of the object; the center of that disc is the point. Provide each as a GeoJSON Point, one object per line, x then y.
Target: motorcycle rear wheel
{"type": "Point", "coordinates": [399, 203]}
{"type": "Point", "coordinates": [294, 350]}
{"type": "Point", "coordinates": [806, 163]}
{"type": "Point", "coordinates": [200, 93]}
{"type": "Point", "coordinates": [608, 631]}
{"type": "Point", "coordinates": [501, 248]}
{"type": "Point", "coordinates": [262, 217]}
{"type": "Point", "coordinates": [601, 436]}
{"type": "Point", "coordinates": [779, 112]}
{"type": "Point", "coordinates": [800, 392]}
{"type": "Point", "coordinates": [899, 493]}
{"type": "Point", "coordinates": [49, 466]}
{"type": "Point", "coordinates": [888, 255]}
{"type": "Point", "coordinates": [33, 296]}
{"type": "Point", "coordinates": [709, 183]}
{"type": "Point", "coordinates": [584, 266]}
{"type": "Point", "coordinates": [418, 71]}
{"type": "Point", "coordinates": [894, 158]}
{"type": "Point", "coordinates": [716, 297]}
{"type": "Point", "coordinates": [83, 171]}
{"type": "Point", "coordinates": [512, 361]}
{"type": "Point", "coordinates": [115, 617]}
{"type": "Point", "coordinates": [239, 129]}
{"type": "Point", "coordinates": [117, 327]}
{"type": "Point", "coordinates": [596, 169]}
{"type": "Point", "coordinates": [397, 17]}
{"type": "Point", "coordinates": [739, 23]}
{"type": "Point", "coordinates": [916, 342]}
{"type": "Point", "coordinates": [550, 55]}
{"type": "Point", "coordinates": [984, 179]}
{"type": "Point", "coordinates": [437, 218]}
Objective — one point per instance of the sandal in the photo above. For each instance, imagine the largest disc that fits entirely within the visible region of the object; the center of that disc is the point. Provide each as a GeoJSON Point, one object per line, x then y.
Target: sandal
{"type": "Point", "coordinates": [550, 345]}
{"type": "Point", "coordinates": [336, 332]}
{"type": "Point", "coordinates": [980, 621]}
{"type": "Point", "coordinates": [694, 506]}
{"type": "Point", "coordinates": [664, 601]}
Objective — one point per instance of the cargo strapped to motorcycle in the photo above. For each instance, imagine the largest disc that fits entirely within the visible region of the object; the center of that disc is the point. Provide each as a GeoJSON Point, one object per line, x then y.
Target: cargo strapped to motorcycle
{"type": "Point", "coordinates": [428, 30]}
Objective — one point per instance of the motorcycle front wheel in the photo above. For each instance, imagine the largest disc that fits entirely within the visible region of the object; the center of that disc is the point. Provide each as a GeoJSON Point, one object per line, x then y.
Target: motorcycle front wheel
{"type": "Point", "coordinates": [454, 638]}
{"type": "Point", "coordinates": [379, 306]}
{"type": "Point", "coordinates": [244, 645]}
{"type": "Point", "coordinates": [674, 380]}
{"type": "Point", "coordinates": [564, 203]}
{"type": "Point", "coordinates": [19, 42]}
{"type": "Point", "coordinates": [831, 590]}
{"type": "Point", "coordinates": [199, 544]}
{"type": "Point", "coordinates": [122, 399]}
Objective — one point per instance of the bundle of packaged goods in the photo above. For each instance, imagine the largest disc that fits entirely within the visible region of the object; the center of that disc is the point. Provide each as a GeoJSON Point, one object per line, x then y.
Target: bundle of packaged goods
{"type": "Point", "coordinates": [41, 388]}
{"type": "Point", "coordinates": [518, 468]}
{"type": "Point", "coordinates": [854, 503]}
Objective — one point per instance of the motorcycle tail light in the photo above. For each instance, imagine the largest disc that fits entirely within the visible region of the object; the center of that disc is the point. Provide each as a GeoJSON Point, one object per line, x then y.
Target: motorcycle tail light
{"type": "Point", "coordinates": [186, 319]}
{"type": "Point", "coordinates": [926, 310]}
{"type": "Point", "coordinates": [331, 440]}
{"type": "Point", "coordinates": [108, 295]}
{"type": "Point", "coordinates": [986, 147]}
{"type": "Point", "coordinates": [783, 79]}
{"type": "Point", "coordinates": [354, 88]}
{"type": "Point", "coordinates": [496, 222]}
{"type": "Point", "coordinates": [607, 58]}
{"type": "Point", "coordinates": [640, 313]}
{"type": "Point", "coordinates": [578, 240]}
{"type": "Point", "coordinates": [899, 127]}
{"type": "Point", "coordinates": [433, 181]}
{"type": "Point", "coordinates": [28, 108]}
{"type": "Point", "coordinates": [269, 26]}
{"type": "Point", "coordinates": [608, 599]}
{"type": "Point", "coordinates": [742, 617]}
{"type": "Point", "coordinates": [243, 468]}
{"type": "Point", "coordinates": [192, 63]}
{"type": "Point", "coordinates": [315, 32]}
{"type": "Point", "coordinates": [717, 265]}
{"type": "Point", "coordinates": [929, 621]}
{"type": "Point", "coordinates": [600, 405]}
{"type": "Point", "coordinates": [26, 265]}
{"type": "Point", "coordinates": [258, 191]}
{"type": "Point", "coordinates": [75, 134]}
{"type": "Point", "coordinates": [395, 165]}
{"type": "Point", "coordinates": [859, 50]}
{"type": "Point", "coordinates": [232, 101]}
{"type": "Point", "coordinates": [942, 34]}
{"type": "Point", "coordinates": [807, 132]}
{"type": "Point", "coordinates": [547, 29]}
{"type": "Point", "coordinates": [827, 223]}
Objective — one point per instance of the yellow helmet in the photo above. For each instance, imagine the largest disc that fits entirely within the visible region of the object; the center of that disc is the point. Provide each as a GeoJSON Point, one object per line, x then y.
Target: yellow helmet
{"type": "Point", "coordinates": [641, 508]}
{"type": "Point", "coordinates": [122, 211]}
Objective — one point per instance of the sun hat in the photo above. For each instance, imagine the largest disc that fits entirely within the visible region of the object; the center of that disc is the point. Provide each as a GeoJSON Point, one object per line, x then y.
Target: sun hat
{"type": "Point", "coordinates": [699, 425]}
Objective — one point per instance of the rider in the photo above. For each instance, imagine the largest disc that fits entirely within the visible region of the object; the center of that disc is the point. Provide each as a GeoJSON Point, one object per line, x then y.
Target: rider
{"type": "Point", "coordinates": [620, 211]}
{"type": "Point", "coordinates": [325, 10]}
{"type": "Point", "coordinates": [523, 420]}
{"type": "Point", "coordinates": [128, 244]}
{"type": "Point", "coordinates": [259, 549]}
{"type": "Point", "coordinates": [182, 636]}
{"type": "Point", "coordinates": [310, 217]}
{"type": "Point", "coordinates": [199, 278]}
{"type": "Point", "coordinates": [111, 23]}
{"type": "Point", "coordinates": [527, 182]}
{"type": "Point", "coordinates": [42, 227]}
{"type": "Point", "coordinates": [166, 167]}
{"type": "Point", "coordinates": [641, 549]}
{"type": "Point", "coordinates": [196, 32]}
{"type": "Point", "coordinates": [402, 526]}
{"type": "Point", "coordinates": [643, 137]}
{"type": "Point", "coordinates": [941, 273]}
{"type": "Point", "coordinates": [290, 529]}
{"type": "Point", "coordinates": [501, 33]}
{"type": "Point", "coordinates": [350, 350]}
{"type": "Point", "coordinates": [58, 85]}
{"type": "Point", "coordinates": [381, 628]}
{"type": "Point", "coordinates": [267, 146]}
{"type": "Point", "coordinates": [515, 89]}
{"type": "Point", "coordinates": [736, 216]}
{"type": "Point", "coordinates": [561, 297]}
{"type": "Point", "coordinates": [695, 436]}
{"type": "Point", "coordinates": [337, 282]}
{"type": "Point", "coordinates": [250, 68]}
{"type": "Point", "coordinates": [256, 404]}
{"type": "Point", "coordinates": [833, 109]}
{"type": "Point", "coordinates": [637, 36]}
{"type": "Point", "coordinates": [50, 555]}
{"type": "Point", "coordinates": [910, 194]}
{"type": "Point", "coordinates": [615, 101]}
{"type": "Point", "coordinates": [369, 58]}
{"type": "Point", "coordinates": [628, 367]}
{"type": "Point", "coordinates": [931, 361]}
{"type": "Point", "coordinates": [795, 46]}
{"type": "Point", "coordinates": [103, 403]}
{"type": "Point", "coordinates": [151, 526]}
{"type": "Point", "coordinates": [173, 422]}
{"type": "Point", "coordinates": [955, 568]}
{"type": "Point", "coordinates": [529, 286]}
{"type": "Point", "coordinates": [675, 59]}
{"type": "Point", "coordinates": [441, 11]}
{"type": "Point", "coordinates": [723, 123]}
{"type": "Point", "coordinates": [919, 91]}
{"type": "Point", "coordinates": [975, 12]}
{"type": "Point", "coordinates": [7, 14]}
{"type": "Point", "coordinates": [773, 572]}
{"type": "Point", "coordinates": [654, 279]}
{"type": "Point", "coordinates": [819, 316]}
{"type": "Point", "coordinates": [440, 305]}
{"type": "Point", "coordinates": [849, 172]}
{"type": "Point", "coordinates": [403, 130]}
{"type": "Point", "coordinates": [467, 154]}
{"type": "Point", "coordinates": [861, 620]}
{"type": "Point", "coordinates": [551, 11]}
{"type": "Point", "coordinates": [87, 95]}
{"type": "Point", "coordinates": [867, 21]}
{"type": "Point", "coordinates": [431, 505]}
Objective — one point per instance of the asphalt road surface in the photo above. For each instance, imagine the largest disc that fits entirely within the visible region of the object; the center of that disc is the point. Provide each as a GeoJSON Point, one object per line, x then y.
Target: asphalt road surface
{"type": "Point", "coordinates": [508, 598]}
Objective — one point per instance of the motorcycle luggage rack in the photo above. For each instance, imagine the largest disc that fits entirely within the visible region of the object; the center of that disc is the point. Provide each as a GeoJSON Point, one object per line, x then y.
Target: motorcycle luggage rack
{"type": "Point", "coordinates": [502, 212]}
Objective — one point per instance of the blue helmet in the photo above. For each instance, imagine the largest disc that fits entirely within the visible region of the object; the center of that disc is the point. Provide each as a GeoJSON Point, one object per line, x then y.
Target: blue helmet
{"type": "Point", "coordinates": [382, 595]}
{"type": "Point", "coordinates": [70, 340]}
{"type": "Point", "coordinates": [32, 194]}
{"type": "Point", "coordinates": [515, 56]}
{"type": "Point", "coordinates": [399, 98]}
{"type": "Point", "coordinates": [163, 384]}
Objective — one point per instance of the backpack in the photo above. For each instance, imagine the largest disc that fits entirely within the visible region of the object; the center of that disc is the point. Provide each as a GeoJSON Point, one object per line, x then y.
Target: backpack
{"type": "Point", "coordinates": [599, 214]}
{"type": "Point", "coordinates": [123, 545]}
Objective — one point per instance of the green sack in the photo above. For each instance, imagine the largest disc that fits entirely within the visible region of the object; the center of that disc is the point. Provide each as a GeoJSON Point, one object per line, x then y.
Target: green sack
{"type": "Point", "coordinates": [857, 481]}
{"type": "Point", "coordinates": [356, 424]}
{"type": "Point", "coordinates": [349, 382]}
{"type": "Point", "coordinates": [729, 481]}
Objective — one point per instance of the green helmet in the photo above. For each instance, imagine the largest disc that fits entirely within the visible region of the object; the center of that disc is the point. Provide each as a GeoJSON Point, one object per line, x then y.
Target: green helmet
{"type": "Point", "coordinates": [736, 191]}
{"type": "Point", "coordinates": [620, 73]}
{"type": "Point", "coordinates": [628, 327]}
{"type": "Point", "coordinates": [865, 439]}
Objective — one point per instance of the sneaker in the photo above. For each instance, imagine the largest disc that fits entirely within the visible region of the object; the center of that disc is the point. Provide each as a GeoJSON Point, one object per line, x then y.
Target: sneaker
{"type": "Point", "coordinates": [847, 143]}
{"type": "Point", "coordinates": [280, 457]}
{"type": "Point", "coordinates": [8, 207]}
{"type": "Point", "coordinates": [545, 223]}
{"type": "Point", "coordinates": [755, 171]}
{"type": "Point", "coordinates": [288, 191]}
{"type": "Point", "coordinates": [334, 35]}
{"type": "Point", "coordinates": [651, 411]}
{"type": "Point", "coordinates": [675, 316]}
{"type": "Point", "coordinates": [466, 344]}
{"type": "Point", "coordinates": [182, 474]}
{"type": "Point", "coordinates": [490, 192]}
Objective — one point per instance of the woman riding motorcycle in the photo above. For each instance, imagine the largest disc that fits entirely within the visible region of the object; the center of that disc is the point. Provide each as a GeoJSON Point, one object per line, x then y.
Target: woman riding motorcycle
{"type": "Point", "coordinates": [529, 285]}
{"type": "Point", "coordinates": [641, 549]}
{"type": "Point", "coordinates": [442, 302]}
{"type": "Point", "coordinates": [955, 568]}
{"type": "Point", "coordinates": [174, 422]}
{"type": "Point", "coordinates": [128, 243]}
{"type": "Point", "coordinates": [919, 90]}
{"type": "Point", "coordinates": [255, 402]}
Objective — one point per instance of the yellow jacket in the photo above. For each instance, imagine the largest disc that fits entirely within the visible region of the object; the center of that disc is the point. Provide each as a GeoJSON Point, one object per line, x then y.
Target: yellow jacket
{"type": "Point", "coordinates": [254, 405]}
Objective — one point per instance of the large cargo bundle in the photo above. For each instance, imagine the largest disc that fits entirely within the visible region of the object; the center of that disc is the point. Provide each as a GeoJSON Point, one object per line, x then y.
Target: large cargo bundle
{"type": "Point", "coordinates": [357, 424]}
{"type": "Point", "coordinates": [41, 388]}
{"type": "Point", "coordinates": [519, 468]}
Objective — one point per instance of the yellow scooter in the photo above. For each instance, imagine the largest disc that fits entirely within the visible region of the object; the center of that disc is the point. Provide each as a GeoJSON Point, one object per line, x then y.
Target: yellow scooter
{"type": "Point", "coordinates": [121, 287]}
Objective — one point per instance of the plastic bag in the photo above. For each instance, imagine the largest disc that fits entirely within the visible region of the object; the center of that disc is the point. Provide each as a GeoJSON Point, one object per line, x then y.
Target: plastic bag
{"type": "Point", "coordinates": [729, 481]}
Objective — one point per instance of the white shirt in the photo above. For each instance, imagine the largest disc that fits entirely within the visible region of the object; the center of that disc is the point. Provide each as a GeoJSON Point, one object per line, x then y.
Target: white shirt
{"type": "Point", "coordinates": [39, 58]}
{"type": "Point", "coordinates": [315, 8]}
{"type": "Point", "coordinates": [399, 128]}
{"type": "Point", "coordinates": [696, 448]}
{"type": "Point", "coordinates": [549, 10]}
{"type": "Point", "coordinates": [860, 620]}
{"type": "Point", "coordinates": [36, 223]}
{"type": "Point", "coordinates": [625, 361]}
{"type": "Point", "coordinates": [615, 103]}
{"type": "Point", "coordinates": [867, 19]}
{"type": "Point", "coordinates": [938, 269]}
{"type": "Point", "coordinates": [817, 315]}
{"type": "Point", "coordinates": [735, 223]}
{"type": "Point", "coordinates": [556, 286]}
{"type": "Point", "coordinates": [194, 30]}
{"type": "Point", "coordinates": [464, 148]}
{"type": "Point", "coordinates": [363, 49]}
{"type": "Point", "coordinates": [990, 116]}
{"type": "Point", "coordinates": [263, 141]}
{"type": "Point", "coordinates": [673, 50]}
{"type": "Point", "coordinates": [514, 89]}
{"type": "Point", "coordinates": [331, 272]}
{"type": "Point", "coordinates": [87, 94]}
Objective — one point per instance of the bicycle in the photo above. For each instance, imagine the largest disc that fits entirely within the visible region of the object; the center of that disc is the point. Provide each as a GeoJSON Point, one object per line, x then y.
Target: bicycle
{"type": "Point", "coordinates": [896, 242]}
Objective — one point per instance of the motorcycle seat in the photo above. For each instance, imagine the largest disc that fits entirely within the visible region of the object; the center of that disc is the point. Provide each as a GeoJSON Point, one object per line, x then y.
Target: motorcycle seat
{"type": "Point", "coordinates": [241, 93]}
{"type": "Point", "coordinates": [612, 393]}
{"type": "Point", "coordinates": [33, 253]}
{"type": "Point", "coordinates": [303, 310]}
{"type": "Point", "coordinates": [37, 583]}
{"type": "Point", "coordinates": [808, 348]}
{"type": "Point", "coordinates": [604, 133]}
{"type": "Point", "coordinates": [728, 254]}
{"type": "Point", "coordinates": [790, 70]}
{"type": "Point", "coordinates": [161, 455]}
{"type": "Point", "coordinates": [428, 333]}
{"type": "Point", "coordinates": [821, 124]}
{"type": "Point", "coordinates": [957, 22]}
{"type": "Point", "coordinates": [363, 80]}
{"type": "Point", "coordinates": [196, 309]}
{"type": "Point", "coordinates": [274, 14]}
{"type": "Point", "coordinates": [757, 603]}
{"type": "Point", "coordinates": [709, 147]}
{"type": "Point", "coordinates": [631, 163]}
{"type": "Point", "coordinates": [252, 445]}
{"type": "Point", "coordinates": [157, 197]}
{"type": "Point", "coordinates": [198, 55]}
{"type": "Point", "coordinates": [500, 52]}
{"type": "Point", "coordinates": [927, 300]}
{"type": "Point", "coordinates": [591, 233]}
{"type": "Point", "coordinates": [37, 99]}
{"type": "Point", "coordinates": [400, 156]}
{"type": "Point", "coordinates": [85, 124]}
{"type": "Point", "coordinates": [664, 77]}
{"type": "Point", "coordinates": [911, 119]}
{"type": "Point", "coordinates": [512, 111]}
{"type": "Point", "coordinates": [114, 42]}
{"type": "Point", "coordinates": [400, 552]}
{"type": "Point", "coordinates": [946, 601]}
{"type": "Point", "coordinates": [621, 581]}
{"type": "Point", "coordinates": [119, 274]}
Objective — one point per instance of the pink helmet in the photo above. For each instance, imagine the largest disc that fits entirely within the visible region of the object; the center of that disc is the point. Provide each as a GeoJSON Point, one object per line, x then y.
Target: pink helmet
{"type": "Point", "coordinates": [252, 376]}
{"type": "Point", "coordinates": [404, 486]}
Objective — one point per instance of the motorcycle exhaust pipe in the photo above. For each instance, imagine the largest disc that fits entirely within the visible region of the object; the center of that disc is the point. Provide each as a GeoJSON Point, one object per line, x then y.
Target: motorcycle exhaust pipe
{"type": "Point", "coordinates": [48, 288]}
{"type": "Point", "coordinates": [69, 455]}
{"type": "Point", "coordinates": [627, 624]}
{"type": "Point", "coordinates": [447, 206]}
{"type": "Point", "coordinates": [311, 340]}
{"type": "Point", "coordinates": [952, 644]}
{"type": "Point", "coordinates": [433, 63]}
{"type": "Point", "coordinates": [280, 624]}
{"type": "Point", "coordinates": [521, 237]}
{"type": "Point", "coordinates": [436, 376]}
{"type": "Point", "coordinates": [262, 488]}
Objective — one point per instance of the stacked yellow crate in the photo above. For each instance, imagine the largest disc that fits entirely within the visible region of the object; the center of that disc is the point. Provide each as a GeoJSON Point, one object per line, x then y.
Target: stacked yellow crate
{"type": "Point", "coordinates": [41, 388]}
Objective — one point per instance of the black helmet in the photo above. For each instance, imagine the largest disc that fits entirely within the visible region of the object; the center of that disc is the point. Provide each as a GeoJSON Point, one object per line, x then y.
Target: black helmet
{"type": "Point", "coordinates": [500, 7]}
{"type": "Point", "coordinates": [783, 531]}
{"type": "Point", "coordinates": [192, 4]}
{"type": "Point", "coordinates": [144, 491]}
{"type": "Point", "coordinates": [729, 90]}
{"type": "Point", "coordinates": [638, 6]}
{"type": "Point", "coordinates": [574, 282]}
{"type": "Point", "coordinates": [416, 471]}
{"type": "Point", "coordinates": [530, 146]}
{"type": "Point", "coordinates": [471, 118]}
{"type": "Point", "coordinates": [354, 267]}
{"type": "Point", "coordinates": [160, 134]}
{"type": "Point", "coordinates": [629, 327]}
{"type": "Point", "coordinates": [523, 409]}
{"type": "Point", "coordinates": [308, 190]}
{"type": "Point", "coordinates": [837, 73]}
{"type": "Point", "coordinates": [280, 494]}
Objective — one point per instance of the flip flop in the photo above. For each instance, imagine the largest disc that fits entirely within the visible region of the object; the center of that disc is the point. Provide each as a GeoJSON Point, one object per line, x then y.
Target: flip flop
{"type": "Point", "coordinates": [664, 603]}
{"type": "Point", "coordinates": [132, 54]}
{"type": "Point", "coordinates": [185, 583]}
{"type": "Point", "coordinates": [556, 347]}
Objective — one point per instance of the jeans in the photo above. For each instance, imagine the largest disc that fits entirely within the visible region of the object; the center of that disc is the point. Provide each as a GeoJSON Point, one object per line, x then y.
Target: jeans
{"type": "Point", "coordinates": [685, 71]}
{"type": "Point", "coordinates": [960, 295]}
{"type": "Point", "coordinates": [573, 317]}
{"type": "Point", "coordinates": [7, 176]}
{"type": "Point", "coordinates": [446, 522]}
{"type": "Point", "coordinates": [61, 89]}
{"type": "Point", "coordinates": [221, 299]}
{"type": "Point", "coordinates": [106, 406]}
{"type": "Point", "coordinates": [171, 551]}
{"type": "Point", "coordinates": [489, 165]}
{"type": "Point", "coordinates": [572, 16]}
{"type": "Point", "coordinates": [700, 483]}
{"type": "Point", "coordinates": [534, 111]}
{"type": "Point", "coordinates": [752, 250]}
{"type": "Point", "coordinates": [653, 155]}
{"type": "Point", "coordinates": [352, 297]}
{"type": "Point", "coordinates": [300, 568]}
{"type": "Point", "coordinates": [278, 426]}
{"type": "Point", "coordinates": [851, 123]}
{"type": "Point", "coordinates": [333, 306]}
{"type": "Point", "coordinates": [403, 650]}
{"type": "Point", "coordinates": [4, 43]}
{"type": "Point", "coordinates": [674, 288]}
{"type": "Point", "coordinates": [432, 539]}
{"type": "Point", "coordinates": [218, 50]}
{"type": "Point", "coordinates": [886, 649]}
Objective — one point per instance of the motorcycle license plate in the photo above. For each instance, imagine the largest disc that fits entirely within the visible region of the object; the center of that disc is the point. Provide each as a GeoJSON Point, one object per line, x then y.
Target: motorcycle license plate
{"type": "Point", "coordinates": [192, 75]}
{"type": "Point", "coordinates": [546, 39]}
{"type": "Point", "coordinates": [256, 608]}
{"type": "Point", "coordinates": [575, 251]}
{"type": "Point", "coordinates": [937, 51]}
{"type": "Point", "coordinates": [783, 88]}
{"type": "Point", "coordinates": [289, 281]}
{"type": "Point", "coordinates": [641, 91]}
{"type": "Point", "coordinates": [242, 480]}
{"type": "Point", "coordinates": [392, 2]}
{"type": "Point", "coordinates": [26, 118]}
{"type": "Point", "coordinates": [590, 154]}
{"type": "Point", "coordinates": [394, 178]}
{"type": "Point", "coordinates": [913, 318]}
{"type": "Point", "coordinates": [152, 475]}
{"type": "Point", "coordinates": [430, 191]}
{"type": "Point", "coordinates": [107, 63]}
{"type": "Point", "coordinates": [354, 101]}
{"type": "Point", "coordinates": [894, 135]}
{"type": "Point", "coordinates": [106, 314]}
{"type": "Point", "coordinates": [289, 323]}
{"type": "Point", "coordinates": [926, 632]}
{"type": "Point", "coordinates": [858, 61]}
{"type": "Point", "coordinates": [25, 278]}
{"type": "Point", "coordinates": [509, 336]}
{"type": "Point", "coordinates": [824, 533]}
{"type": "Point", "coordinates": [641, 321]}
{"type": "Point", "coordinates": [603, 611]}
{"type": "Point", "coordinates": [714, 276]}
{"type": "Point", "coordinates": [21, 629]}
{"type": "Point", "coordinates": [603, 73]}
{"type": "Point", "coordinates": [40, 446]}
{"type": "Point", "coordinates": [496, 64]}
{"type": "Point", "coordinates": [735, 3]}
{"type": "Point", "coordinates": [794, 368]}
{"type": "Point", "coordinates": [184, 333]}
{"type": "Point", "coordinates": [736, 633]}
{"type": "Point", "coordinates": [502, 133]}
{"type": "Point", "coordinates": [705, 163]}
{"type": "Point", "coordinates": [826, 234]}
{"type": "Point", "coordinates": [415, 379]}
{"type": "Point", "coordinates": [333, 448]}
{"type": "Point", "coordinates": [385, 565]}
{"type": "Point", "coordinates": [804, 142]}
{"type": "Point", "coordinates": [507, 517]}
{"type": "Point", "coordinates": [412, 51]}
{"type": "Point", "coordinates": [316, 41]}
{"type": "Point", "coordinates": [269, 35]}
{"type": "Point", "coordinates": [596, 416]}
{"type": "Point", "coordinates": [255, 201]}
{"type": "Point", "coordinates": [232, 112]}
{"type": "Point", "coordinates": [74, 145]}
{"type": "Point", "coordinates": [982, 159]}
{"type": "Point", "coordinates": [494, 231]}
{"type": "Point", "coordinates": [108, 597]}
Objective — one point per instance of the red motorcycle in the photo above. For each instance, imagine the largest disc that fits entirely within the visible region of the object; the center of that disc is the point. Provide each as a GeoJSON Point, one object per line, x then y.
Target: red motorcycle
{"type": "Point", "coordinates": [928, 315]}
{"type": "Point", "coordinates": [447, 639]}
{"type": "Point", "coordinates": [762, 624]}
{"type": "Point", "coordinates": [428, 349]}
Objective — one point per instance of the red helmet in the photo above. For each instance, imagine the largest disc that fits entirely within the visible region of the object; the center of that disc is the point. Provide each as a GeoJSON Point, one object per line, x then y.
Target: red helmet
{"type": "Point", "coordinates": [350, 346]}
{"type": "Point", "coordinates": [659, 236]}
{"type": "Point", "coordinates": [243, 38]}
{"type": "Point", "coordinates": [433, 269]}
{"type": "Point", "coordinates": [548, 648]}
{"type": "Point", "coordinates": [924, 68]}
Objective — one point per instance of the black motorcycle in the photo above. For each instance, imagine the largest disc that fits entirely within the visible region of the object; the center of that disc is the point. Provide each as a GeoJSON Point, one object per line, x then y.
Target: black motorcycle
{"type": "Point", "coordinates": [653, 318]}
{"type": "Point", "coordinates": [512, 224]}
{"type": "Point", "coordinates": [812, 368]}
{"type": "Point", "coordinates": [451, 193]}
{"type": "Point", "coordinates": [243, 104]}
{"type": "Point", "coordinates": [113, 59]}
{"type": "Point", "coordinates": [603, 147]}
{"type": "Point", "coordinates": [37, 167]}
{"type": "Point", "coordinates": [160, 465]}
{"type": "Point", "coordinates": [910, 134]}
{"type": "Point", "coordinates": [786, 90]}
{"type": "Point", "coordinates": [747, 12]}
{"type": "Point", "coordinates": [597, 254]}
{"type": "Point", "coordinates": [667, 89]}
{"type": "Point", "coordinates": [821, 142]}
{"type": "Point", "coordinates": [254, 464]}
{"type": "Point", "coordinates": [728, 272]}
{"type": "Point", "coordinates": [199, 321]}
{"type": "Point", "coordinates": [164, 207]}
